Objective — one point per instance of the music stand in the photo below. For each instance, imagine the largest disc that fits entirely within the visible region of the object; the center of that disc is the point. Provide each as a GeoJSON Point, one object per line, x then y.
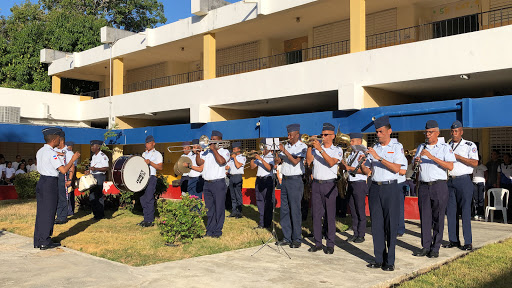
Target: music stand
{"type": "Point", "coordinates": [274, 202]}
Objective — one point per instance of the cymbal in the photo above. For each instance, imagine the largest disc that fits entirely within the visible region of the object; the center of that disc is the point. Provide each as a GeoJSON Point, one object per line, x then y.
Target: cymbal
{"type": "Point", "coordinates": [176, 171]}
{"type": "Point", "coordinates": [182, 168]}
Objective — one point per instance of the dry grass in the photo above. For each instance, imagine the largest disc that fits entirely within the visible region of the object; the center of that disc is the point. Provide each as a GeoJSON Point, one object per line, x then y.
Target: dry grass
{"type": "Point", "coordinates": [118, 238]}
{"type": "Point", "coordinates": [488, 267]}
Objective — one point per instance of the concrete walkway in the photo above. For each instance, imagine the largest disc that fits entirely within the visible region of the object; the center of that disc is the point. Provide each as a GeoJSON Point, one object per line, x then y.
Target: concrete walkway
{"type": "Point", "coordinates": [24, 266]}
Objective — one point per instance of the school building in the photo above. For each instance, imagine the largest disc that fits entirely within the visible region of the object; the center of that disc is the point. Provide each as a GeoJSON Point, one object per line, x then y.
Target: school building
{"type": "Point", "coordinates": [250, 68]}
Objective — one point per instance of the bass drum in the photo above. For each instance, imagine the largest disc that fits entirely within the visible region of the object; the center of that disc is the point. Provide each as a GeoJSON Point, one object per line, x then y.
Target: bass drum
{"type": "Point", "coordinates": [130, 173]}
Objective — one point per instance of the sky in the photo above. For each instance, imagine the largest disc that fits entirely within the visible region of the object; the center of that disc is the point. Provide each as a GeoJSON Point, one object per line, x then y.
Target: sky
{"type": "Point", "coordinates": [174, 9]}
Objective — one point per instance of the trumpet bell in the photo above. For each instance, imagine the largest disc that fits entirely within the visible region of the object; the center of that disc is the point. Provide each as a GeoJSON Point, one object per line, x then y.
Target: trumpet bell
{"type": "Point", "coordinates": [342, 140]}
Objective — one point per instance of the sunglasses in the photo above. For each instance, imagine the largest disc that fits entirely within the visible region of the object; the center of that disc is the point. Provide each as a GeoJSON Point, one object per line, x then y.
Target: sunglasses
{"type": "Point", "coordinates": [325, 135]}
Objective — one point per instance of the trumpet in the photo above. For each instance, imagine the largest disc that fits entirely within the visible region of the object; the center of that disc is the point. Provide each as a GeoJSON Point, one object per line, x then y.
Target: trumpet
{"type": "Point", "coordinates": [251, 154]}
{"type": "Point", "coordinates": [204, 142]}
{"type": "Point", "coordinates": [308, 140]}
{"type": "Point", "coordinates": [410, 152]}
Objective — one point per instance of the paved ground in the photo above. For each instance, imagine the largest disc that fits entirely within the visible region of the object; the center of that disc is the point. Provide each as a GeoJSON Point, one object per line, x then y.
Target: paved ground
{"type": "Point", "coordinates": [24, 266]}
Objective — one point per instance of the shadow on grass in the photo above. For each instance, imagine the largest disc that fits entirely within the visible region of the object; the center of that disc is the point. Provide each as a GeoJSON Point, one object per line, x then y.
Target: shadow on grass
{"type": "Point", "coordinates": [81, 226]}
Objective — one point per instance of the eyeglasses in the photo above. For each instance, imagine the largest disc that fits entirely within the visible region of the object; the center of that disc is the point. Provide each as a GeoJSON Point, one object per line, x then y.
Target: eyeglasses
{"type": "Point", "coordinates": [325, 135]}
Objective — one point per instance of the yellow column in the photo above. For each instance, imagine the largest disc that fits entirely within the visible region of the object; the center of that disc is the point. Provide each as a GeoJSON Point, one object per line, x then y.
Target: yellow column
{"type": "Point", "coordinates": [357, 25]}
{"type": "Point", "coordinates": [485, 145]}
{"type": "Point", "coordinates": [56, 84]}
{"type": "Point", "coordinates": [118, 76]}
{"type": "Point", "coordinates": [117, 152]}
{"type": "Point", "coordinates": [209, 56]}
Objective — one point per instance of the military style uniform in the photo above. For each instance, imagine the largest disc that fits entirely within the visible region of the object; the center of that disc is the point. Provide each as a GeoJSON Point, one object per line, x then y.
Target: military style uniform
{"type": "Point", "coordinates": [99, 160]}
{"type": "Point", "coordinates": [195, 180]}
{"type": "Point", "coordinates": [62, 205]}
{"type": "Point", "coordinates": [264, 189]}
{"type": "Point", "coordinates": [461, 191]}
{"type": "Point", "coordinates": [235, 183]}
{"type": "Point", "coordinates": [148, 199]}
{"type": "Point", "coordinates": [356, 194]}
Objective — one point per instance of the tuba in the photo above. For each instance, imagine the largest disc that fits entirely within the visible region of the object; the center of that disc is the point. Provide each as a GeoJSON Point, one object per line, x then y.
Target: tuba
{"type": "Point", "coordinates": [343, 141]}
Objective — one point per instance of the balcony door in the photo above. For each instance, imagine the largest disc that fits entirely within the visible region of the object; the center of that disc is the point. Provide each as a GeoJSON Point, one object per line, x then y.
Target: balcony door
{"type": "Point", "coordinates": [295, 49]}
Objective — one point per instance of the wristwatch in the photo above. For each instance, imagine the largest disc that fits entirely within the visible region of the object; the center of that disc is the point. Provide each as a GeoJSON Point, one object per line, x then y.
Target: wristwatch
{"type": "Point", "coordinates": [380, 159]}
{"type": "Point", "coordinates": [321, 151]}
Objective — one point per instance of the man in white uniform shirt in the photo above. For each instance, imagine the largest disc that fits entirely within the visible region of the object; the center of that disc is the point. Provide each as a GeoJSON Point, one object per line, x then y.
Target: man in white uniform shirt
{"type": "Point", "coordinates": [461, 188]}
{"type": "Point", "coordinates": [264, 186]}
{"type": "Point", "coordinates": [479, 180]}
{"type": "Point", "coordinates": [187, 152]}
{"type": "Point", "coordinates": [49, 166]}
{"type": "Point", "coordinates": [292, 188]}
{"type": "Point", "coordinates": [236, 172]}
{"type": "Point", "coordinates": [155, 161]}
{"type": "Point", "coordinates": [214, 172]}
{"type": "Point", "coordinates": [64, 181]}
{"type": "Point", "coordinates": [195, 180]}
{"type": "Point", "coordinates": [98, 167]}
{"type": "Point", "coordinates": [385, 160]}
{"type": "Point", "coordinates": [435, 159]}
{"type": "Point", "coordinates": [325, 158]}
{"type": "Point", "coordinates": [71, 179]}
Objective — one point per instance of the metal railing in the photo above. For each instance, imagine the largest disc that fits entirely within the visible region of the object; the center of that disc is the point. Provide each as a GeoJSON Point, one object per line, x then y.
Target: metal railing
{"type": "Point", "coordinates": [444, 28]}
{"type": "Point", "coordinates": [97, 93]}
{"type": "Point", "coordinates": [164, 81]}
{"type": "Point", "coordinates": [306, 54]}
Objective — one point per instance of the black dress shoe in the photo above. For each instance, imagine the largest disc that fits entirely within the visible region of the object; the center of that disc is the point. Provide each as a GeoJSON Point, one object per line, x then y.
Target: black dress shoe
{"type": "Point", "coordinates": [147, 224]}
{"type": "Point", "coordinates": [258, 227]}
{"type": "Point", "coordinates": [295, 244]}
{"type": "Point", "coordinates": [140, 223]}
{"type": "Point", "coordinates": [315, 249]}
{"type": "Point", "coordinates": [37, 246]}
{"type": "Point", "coordinates": [351, 238]}
{"type": "Point", "coordinates": [359, 240]}
{"type": "Point", "coordinates": [59, 222]}
{"type": "Point", "coordinates": [374, 265]}
{"type": "Point", "coordinates": [422, 253]}
{"type": "Point", "coordinates": [388, 268]}
{"type": "Point", "coordinates": [400, 235]}
{"type": "Point", "coordinates": [467, 247]}
{"type": "Point", "coordinates": [452, 244]}
{"type": "Point", "coordinates": [329, 250]}
{"type": "Point", "coordinates": [283, 243]}
{"type": "Point", "coordinates": [232, 215]}
{"type": "Point", "coordinates": [49, 246]}
{"type": "Point", "coordinates": [433, 254]}
{"type": "Point", "coordinates": [238, 216]}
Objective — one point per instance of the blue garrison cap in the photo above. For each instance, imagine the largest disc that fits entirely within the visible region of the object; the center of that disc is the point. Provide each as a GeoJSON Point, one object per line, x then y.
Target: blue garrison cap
{"type": "Point", "coordinates": [293, 127]}
{"type": "Point", "coordinates": [382, 121]}
{"type": "Point", "coordinates": [70, 143]}
{"type": "Point", "coordinates": [356, 135]}
{"type": "Point", "coordinates": [150, 138]}
{"type": "Point", "coordinates": [186, 143]}
{"type": "Point", "coordinates": [236, 144]}
{"type": "Point", "coordinates": [51, 131]}
{"type": "Point", "coordinates": [216, 133]}
{"type": "Point", "coordinates": [456, 124]}
{"type": "Point", "coordinates": [195, 141]}
{"type": "Point", "coordinates": [99, 142]}
{"type": "Point", "coordinates": [328, 127]}
{"type": "Point", "coordinates": [431, 124]}
{"type": "Point", "coordinates": [62, 134]}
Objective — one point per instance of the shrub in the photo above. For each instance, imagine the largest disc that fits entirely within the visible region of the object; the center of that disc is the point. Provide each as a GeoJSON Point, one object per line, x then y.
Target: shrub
{"type": "Point", "coordinates": [181, 221]}
{"type": "Point", "coordinates": [26, 184]}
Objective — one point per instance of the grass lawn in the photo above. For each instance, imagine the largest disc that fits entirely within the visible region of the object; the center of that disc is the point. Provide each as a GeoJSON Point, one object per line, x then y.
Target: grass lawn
{"type": "Point", "coordinates": [118, 238]}
{"type": "Point", "coordinates": [490, 266]}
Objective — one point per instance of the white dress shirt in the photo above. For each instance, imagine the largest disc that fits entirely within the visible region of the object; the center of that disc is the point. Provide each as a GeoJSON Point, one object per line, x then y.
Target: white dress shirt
{"type": "Point", "coordinates": [479, 174]}
{"type": "Point", "coordinates": [31, 168]}
{"type": "Point", "coordinates": [48, 162]}
{"type": "Point", "coordinates": [430, 170]}
{"type": "Point", "coordinates": [321, 169]}
{"type": "Point", "coordinates": [232, 167]}
{"type": "Point", "coordinates": [394, 153]}
{"type": "Point", "coordinates": [9, 172]}
{"type": "Point", "coordinates": [193, 173]}
{"type": "Point", "coordinates": [155, 157]}
{"type": "Point", "coordinates": [299, 150]}
{"type": "Point", "coordinates": [19, 171]}
{"type": "Point", "coordinates": [262, 171]}
{"type": "Point", "coordinates": [99, 160]}
{"type": "Point", "coordinates": [211, 169]}
{"type": "Point", "coordinates": [15, 165]}
{"type": "Point", "coordinates": [466, 149]}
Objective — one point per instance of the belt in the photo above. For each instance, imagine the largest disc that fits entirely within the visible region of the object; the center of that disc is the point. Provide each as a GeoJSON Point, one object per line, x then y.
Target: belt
{"type": "Point", "coordinates": [384, 182]}
{"type": "Point", "coordinates": [46, 176]}
{"type": "Point", "coordinates": [263, 177]}
{"type": "Point", "coordinates": [324, 181]}
{"type": "Point", "coordinates": [215, 180]}
{"type": "Point", "coordinates": [432, 182]}
{"type": "Point", "coordinates": [453, 177]}
{"type": "Point", "coordinates": [357, 181]}
{"type": "Point", "coordinates": [292, 177]}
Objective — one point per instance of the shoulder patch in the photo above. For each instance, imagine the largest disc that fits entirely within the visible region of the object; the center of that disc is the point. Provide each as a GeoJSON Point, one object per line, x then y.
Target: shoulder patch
{"type": "Point", "coordinates": [451, 150]}
{"type": "Point", "coordinates": [474, 150]}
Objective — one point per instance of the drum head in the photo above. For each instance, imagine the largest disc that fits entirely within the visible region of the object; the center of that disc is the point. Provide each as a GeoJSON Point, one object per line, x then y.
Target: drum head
{"type": "Point", "coordinates": [135, 174]}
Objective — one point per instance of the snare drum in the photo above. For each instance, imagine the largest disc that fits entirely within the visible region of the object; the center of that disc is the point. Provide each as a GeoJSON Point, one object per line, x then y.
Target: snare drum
{"type": "Point", "coordinates": [86, 182]}
{"type": "Point", "coordinates": [130, 173]}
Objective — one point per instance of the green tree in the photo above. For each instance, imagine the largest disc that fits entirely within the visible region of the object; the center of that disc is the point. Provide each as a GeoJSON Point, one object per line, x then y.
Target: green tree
{"type": "Point", "coordinates": [64, 25]}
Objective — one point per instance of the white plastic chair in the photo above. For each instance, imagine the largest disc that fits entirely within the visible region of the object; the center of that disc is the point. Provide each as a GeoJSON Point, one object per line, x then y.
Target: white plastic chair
{"type": "Point", "coordinates": [500, 195]}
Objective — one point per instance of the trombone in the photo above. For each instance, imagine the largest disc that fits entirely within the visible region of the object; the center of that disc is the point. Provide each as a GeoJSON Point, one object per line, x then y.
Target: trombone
{"type": "Point", "coordinates": [204, 142]}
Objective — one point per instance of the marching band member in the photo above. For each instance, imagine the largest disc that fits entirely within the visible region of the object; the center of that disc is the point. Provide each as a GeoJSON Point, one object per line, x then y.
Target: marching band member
{"type": "Point", "coordinates": [98, 167]}
{"type": "Point", "coordinates": [325, 158]}
{"type": "Point", "coordinates": [461, 188]}
{"type": "Point", "coordinates": [292, 188]}
{"type": "Point", "coordinates": [49, 166]}
{"type": "Point", "coordinates": [195, 180]}
{"type": "Point", "coordinates": [155, 161]}
{"type": "Point", "coordinates": [64, 181]}
{"type": "Point", "coordinates": [384, 160]}
{"type": "Point", "coordinates": [264, 186]}
{"type": "Point", "coordinates": [214, 161]}
{"type": "Point", "coordinates": [236, 171]}
{"type": "Point", "coordinates": [434, 159]}
{"type": "Point", "coordinates": [187, 152]}
{"type": "Point", "coordinates": [71, 178]}
{"type": "Point", "coordinates": [357, 191]}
